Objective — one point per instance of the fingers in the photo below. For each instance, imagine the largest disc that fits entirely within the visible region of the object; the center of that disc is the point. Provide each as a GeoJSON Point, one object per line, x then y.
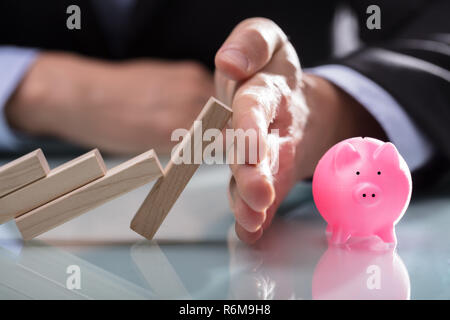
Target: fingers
{"type": "Point", "coordinates": [255, 106]}
{"type": "Point", "coordinates": [250, 222]}
{"type": "Point", "coordinates": [257, 71]}
{"type": "Point", "coordinates": [248, 218]}
{"type": "Point", "coordinates": [247, 236]}
{"type": "Point", "coordinates": [250, 122]}
{"type": "Point", "coordinates": [253, 189]}
{"type": "Point", "coordinates": [254, 185]}
{"type": "Point", "coordinates": [256, 102]}
{"type": "Point", "coordinates": [249, 48]}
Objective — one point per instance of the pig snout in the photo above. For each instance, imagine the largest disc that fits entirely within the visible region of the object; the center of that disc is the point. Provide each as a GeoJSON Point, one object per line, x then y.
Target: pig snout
{"type": "Point", "coordinates": [367, 194]}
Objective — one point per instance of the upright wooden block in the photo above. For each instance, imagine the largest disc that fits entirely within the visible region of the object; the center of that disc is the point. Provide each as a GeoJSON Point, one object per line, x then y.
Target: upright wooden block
{"type": "Point", "coordinates": [117, 181]}
{"type": "Point", "coordinates": [22, 171]}
{"type": "Point", "coordinates": [59, 181]}
{"type": "Point", "coordinates": [168, 188]}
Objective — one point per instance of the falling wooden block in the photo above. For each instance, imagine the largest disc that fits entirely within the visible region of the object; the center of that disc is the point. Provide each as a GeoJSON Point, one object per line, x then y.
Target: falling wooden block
{"type": "Point", "coordinates": [117, 181]}
{"type": "Point", "coordinates": [168, 188]}
{"type": "Point", "coordinates": [22, 171]}
{"type": "Point", "coordinates": [59, 181]}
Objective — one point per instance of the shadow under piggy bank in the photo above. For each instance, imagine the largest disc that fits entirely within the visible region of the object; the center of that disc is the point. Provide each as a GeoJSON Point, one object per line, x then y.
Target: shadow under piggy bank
{"type": "Point", "coordinates": [363, 270]}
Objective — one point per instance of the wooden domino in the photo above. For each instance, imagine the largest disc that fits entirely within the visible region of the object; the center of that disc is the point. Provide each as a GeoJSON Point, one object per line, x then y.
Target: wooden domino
{"type": "Point", "coordinates": [117, 181]}
{"type": "Point", "coordinates": [168, 188]}
{"type": "Point", "coordinates": [23, 171]}
{"type": "Point", "coordinates": [59, 181]}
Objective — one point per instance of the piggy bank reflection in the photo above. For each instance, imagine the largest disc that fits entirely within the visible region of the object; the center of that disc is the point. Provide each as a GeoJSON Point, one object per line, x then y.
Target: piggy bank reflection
{"type": "Point", "coordinates": [345, 273]}
{"type": "Point", "coordinates": [362, 187]}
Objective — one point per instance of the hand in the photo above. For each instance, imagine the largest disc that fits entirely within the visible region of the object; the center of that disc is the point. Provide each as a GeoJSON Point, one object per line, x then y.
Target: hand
{"type": "Point", "coordinates": [118, 107]}
{"type": "Point", "coordinates": [258, 73]}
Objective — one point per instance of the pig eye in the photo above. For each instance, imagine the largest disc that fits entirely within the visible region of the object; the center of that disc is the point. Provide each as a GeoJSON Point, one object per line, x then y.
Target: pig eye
{"type": "Point", "coordinates": [357, 173]}
{"type": "Point", "coordinates": [379, 172]}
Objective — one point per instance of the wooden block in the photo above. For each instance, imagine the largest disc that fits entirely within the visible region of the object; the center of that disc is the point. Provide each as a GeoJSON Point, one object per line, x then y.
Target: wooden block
{"type": "Point", "coordinates": [59, 181]}
{"type": "Point", "coordinates": [22, 171]}
{"type": "Point", "coordinates": [117, 181]}
{"type": "Point", "coordinates": [168, 188]}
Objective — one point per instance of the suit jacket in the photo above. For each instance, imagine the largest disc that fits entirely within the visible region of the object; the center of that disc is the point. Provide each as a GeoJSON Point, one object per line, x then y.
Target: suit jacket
{"type": "Point", "coordinates": [409, 56]}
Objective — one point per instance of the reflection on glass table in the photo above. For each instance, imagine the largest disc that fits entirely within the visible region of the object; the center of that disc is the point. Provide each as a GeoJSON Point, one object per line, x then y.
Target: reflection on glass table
{"type": "Point", "coordinates": [358, 271]}
{"type": "Point", "coordinates": [196, 254]}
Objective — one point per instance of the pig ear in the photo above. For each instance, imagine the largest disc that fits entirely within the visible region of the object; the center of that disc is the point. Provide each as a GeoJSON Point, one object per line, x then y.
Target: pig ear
{"type": "Point", "coordinates": [346, 154]}
{"type": "Point", "coordinates": [387, 152]}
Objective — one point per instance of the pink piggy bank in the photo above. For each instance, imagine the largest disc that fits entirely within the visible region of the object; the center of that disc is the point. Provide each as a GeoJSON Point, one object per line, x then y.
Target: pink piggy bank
{"type": "Point", "coordinates": [362, 187]}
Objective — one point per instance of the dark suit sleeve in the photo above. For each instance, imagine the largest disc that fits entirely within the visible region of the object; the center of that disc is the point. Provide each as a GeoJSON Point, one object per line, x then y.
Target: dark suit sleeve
{"type": "Point", "coordinates": [410, 58]}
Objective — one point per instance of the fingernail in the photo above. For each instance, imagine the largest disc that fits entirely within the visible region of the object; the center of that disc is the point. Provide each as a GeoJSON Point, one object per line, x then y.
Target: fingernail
{"type": "Point", "coordinates": [236, 58]}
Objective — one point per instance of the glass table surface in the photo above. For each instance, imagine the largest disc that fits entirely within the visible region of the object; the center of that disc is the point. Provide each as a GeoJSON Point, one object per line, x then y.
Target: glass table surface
{"type": "Point", "coordinates": [196, 254]}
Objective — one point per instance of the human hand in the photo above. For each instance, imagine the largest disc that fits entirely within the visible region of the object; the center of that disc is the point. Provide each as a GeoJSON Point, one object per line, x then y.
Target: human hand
{"type": "Point", "coordinates": [122, 108]}
{"type": "Point", "coordinates": [258, 73]}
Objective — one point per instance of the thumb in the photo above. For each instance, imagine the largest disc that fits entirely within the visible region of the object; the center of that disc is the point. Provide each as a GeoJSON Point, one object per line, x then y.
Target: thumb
{"type": "Point", "coordinates": [249, 48]}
